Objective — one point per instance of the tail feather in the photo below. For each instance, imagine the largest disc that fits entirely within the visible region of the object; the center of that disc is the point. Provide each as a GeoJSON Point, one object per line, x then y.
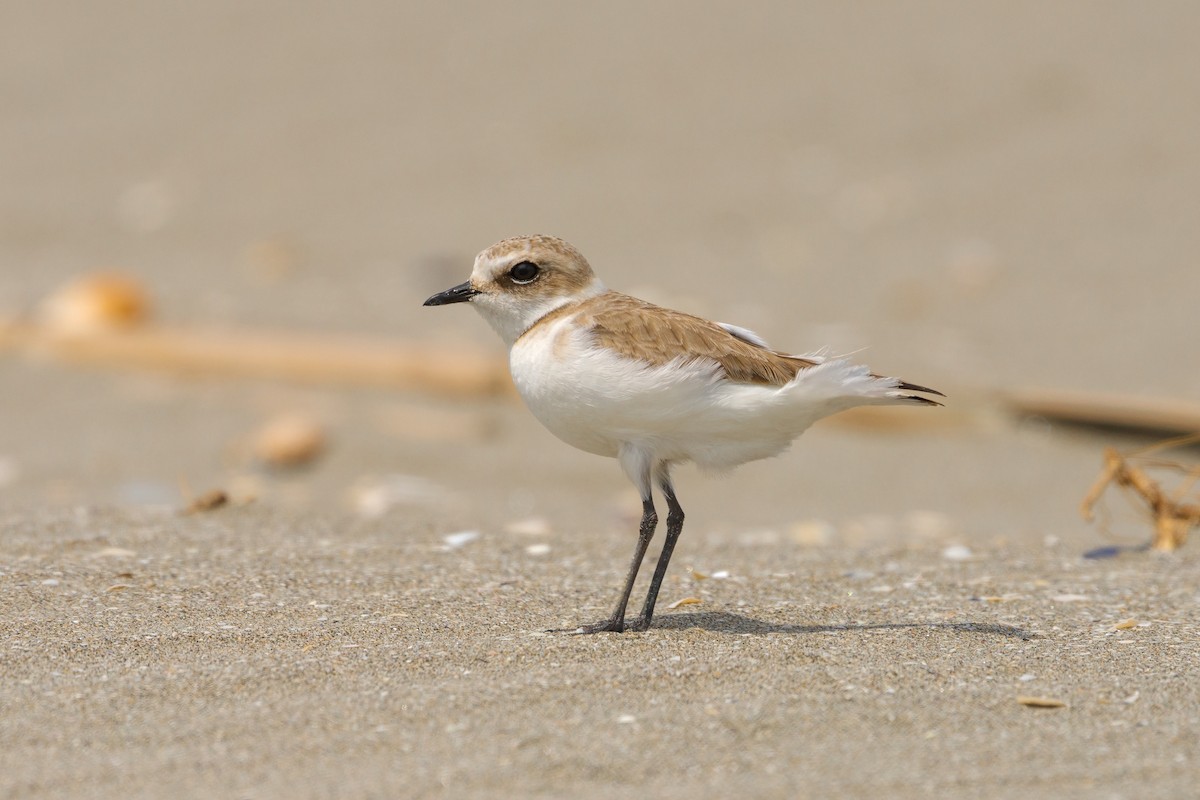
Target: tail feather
{"type": "Point", "coordinates": [916, 398]}
{"type": "Point", "coordinates": [844, 384]}
{"type": "Point", "coordinates": [910, 387]}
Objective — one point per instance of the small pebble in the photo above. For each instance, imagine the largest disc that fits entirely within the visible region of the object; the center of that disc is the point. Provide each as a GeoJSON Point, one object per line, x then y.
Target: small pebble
{"type": "Point", "coordinates": [456, 540]}
{"type": "Point", "coordinates": [532, 526]}
{"type": "Point", "coordinates": [95, 303]}
{"type": "Point", "coordinates": [957, 552]}
{"type": "Point", "coordinates": [289, 440]}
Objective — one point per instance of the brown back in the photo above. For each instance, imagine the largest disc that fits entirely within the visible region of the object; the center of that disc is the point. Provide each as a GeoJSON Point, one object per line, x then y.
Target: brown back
{"type": "Point", "coordinates": [646, 332]}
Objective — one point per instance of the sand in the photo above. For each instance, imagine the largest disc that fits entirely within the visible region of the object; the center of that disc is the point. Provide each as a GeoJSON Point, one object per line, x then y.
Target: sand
{"type": "Point", "coordinates": [253, 654]}
{"type": "Point", "coordinates": [988, 196]}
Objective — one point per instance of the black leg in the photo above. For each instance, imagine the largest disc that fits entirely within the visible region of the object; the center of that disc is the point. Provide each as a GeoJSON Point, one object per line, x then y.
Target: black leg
{"type": "Point", "coordinates": [616, 622]}
{"type": "Point", "coordinates": [674, 528]}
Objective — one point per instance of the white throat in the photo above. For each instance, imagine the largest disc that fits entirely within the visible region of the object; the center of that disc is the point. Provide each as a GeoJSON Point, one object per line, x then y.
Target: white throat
{"type": "Point", "coordinates": [511, 316]}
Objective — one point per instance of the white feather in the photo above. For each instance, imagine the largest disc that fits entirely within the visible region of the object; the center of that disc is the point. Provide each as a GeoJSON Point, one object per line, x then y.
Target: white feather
{"type": "Point", "coordinates": [610, 405]}
{"type": "Point", "coordinates": [745, 334]}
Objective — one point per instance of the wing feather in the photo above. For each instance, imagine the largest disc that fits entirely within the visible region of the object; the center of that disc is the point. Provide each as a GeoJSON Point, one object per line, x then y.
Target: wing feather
{"type": "Point", "coordinates": [656, 335]}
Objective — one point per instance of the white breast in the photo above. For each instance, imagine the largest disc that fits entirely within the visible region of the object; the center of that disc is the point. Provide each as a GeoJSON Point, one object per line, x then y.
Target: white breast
{"type": "Point", "coordinates": [572, 392]}
{"type": "Point", "coordinates": [597, 400]}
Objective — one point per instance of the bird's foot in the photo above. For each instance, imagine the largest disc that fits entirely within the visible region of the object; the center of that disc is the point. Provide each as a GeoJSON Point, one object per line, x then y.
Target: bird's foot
{"type": "Point", "coordinates": [608, 626]}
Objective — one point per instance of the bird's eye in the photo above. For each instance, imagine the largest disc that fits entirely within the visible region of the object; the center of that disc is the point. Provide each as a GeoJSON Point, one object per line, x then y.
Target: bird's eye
{"type": "Point", "coordinates": [524, 272]}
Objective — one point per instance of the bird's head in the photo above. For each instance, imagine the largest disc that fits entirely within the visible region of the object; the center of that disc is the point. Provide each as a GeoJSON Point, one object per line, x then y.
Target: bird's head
{"type": "Point", "coordinates": [518, 281]}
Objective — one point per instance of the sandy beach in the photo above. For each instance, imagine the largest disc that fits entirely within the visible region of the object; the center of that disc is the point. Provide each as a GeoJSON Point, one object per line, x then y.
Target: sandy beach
{"type": "Point", "coordinates": [983, 199]}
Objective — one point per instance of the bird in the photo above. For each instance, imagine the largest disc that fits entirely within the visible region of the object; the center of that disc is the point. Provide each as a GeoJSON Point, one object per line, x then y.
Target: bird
{"type": "Point", "coordinates": [651, 387]}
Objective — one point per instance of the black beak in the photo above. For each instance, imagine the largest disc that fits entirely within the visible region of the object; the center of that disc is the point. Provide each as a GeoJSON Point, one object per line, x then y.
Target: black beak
{"type": "Point", "coordinates": [458, 294]}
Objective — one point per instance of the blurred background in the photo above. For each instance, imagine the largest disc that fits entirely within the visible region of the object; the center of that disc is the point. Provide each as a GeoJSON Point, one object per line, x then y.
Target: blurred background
{"type": "Point", "coordinates": [980, 197]}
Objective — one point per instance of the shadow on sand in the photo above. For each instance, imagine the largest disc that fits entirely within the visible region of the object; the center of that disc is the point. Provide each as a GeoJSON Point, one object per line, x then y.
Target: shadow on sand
{"type": "Point", "coordinates": [724, 622]}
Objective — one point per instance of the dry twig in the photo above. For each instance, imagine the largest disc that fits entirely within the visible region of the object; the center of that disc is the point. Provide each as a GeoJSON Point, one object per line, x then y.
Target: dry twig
{"type": "Point", "coordinates": [1173, 517]}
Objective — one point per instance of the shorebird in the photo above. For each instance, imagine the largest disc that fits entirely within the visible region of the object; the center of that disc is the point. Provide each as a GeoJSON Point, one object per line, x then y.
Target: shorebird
{"type": "Point", "coordinates": [651, 387]}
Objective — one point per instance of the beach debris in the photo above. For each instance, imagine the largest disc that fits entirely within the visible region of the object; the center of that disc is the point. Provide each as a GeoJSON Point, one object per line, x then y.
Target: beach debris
{"type": "Point", "coordinates": [720, 575]}
{"type": "Point", "coordinates": [114, 553]}
{"type": "Point", "coordinates": [1174, 513]}
{"type": "Point", "coordinates": [530, 526]}
{"type": "Point", "coordinates": [1069, 598]}
{"type": "Point", "coordinates": [998, 598]}
{"type": "Point", "coordinates": [103, 301]}
{"type": "Point", "coordinates": [1125, 624]}
{"type": "Point", "coordinates": [626, 719]}
{"type": "Point", "coordinates": [685, 601]}
{"type": "Point", "coordinates": [812, 532]}
{"type": "Point", "coordinates": [118, 587]}
{"type": "Point", "coordinates": [1114, 411]}
{"type": "Point", "coordinates": [456, 540]}
{"type": "Point", "coordinates": [1033, 701]}
{"type": "Point", "coordinates": [103, 320]}
{"type": "Point", "coordinates": [697, 575]}
{"type": "Point", "coordinates": [957, 552]}
{"type": "Point", "coordinates": [289, 440]}
{"type": "Point", "coordinates": [374, 496]}
{"type": "Point", "coordinates": [206, 501]}
{"type": "Point", "coordinates": [539, 549]}
{"type": "Point", "coordinates": [246, 487]}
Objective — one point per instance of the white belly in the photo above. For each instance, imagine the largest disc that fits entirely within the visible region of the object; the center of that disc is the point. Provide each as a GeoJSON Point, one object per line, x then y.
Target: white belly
{"type": "Point", "coordinates": [597, 401]}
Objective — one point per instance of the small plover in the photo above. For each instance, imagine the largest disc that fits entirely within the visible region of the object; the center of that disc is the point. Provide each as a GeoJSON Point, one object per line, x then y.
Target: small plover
{"type": "Point", "coordinates": [650, 387]}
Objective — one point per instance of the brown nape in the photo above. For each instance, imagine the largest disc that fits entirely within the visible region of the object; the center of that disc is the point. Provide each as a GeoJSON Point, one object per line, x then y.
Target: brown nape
{"type": "Point", "coordinates": [640, 330]}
